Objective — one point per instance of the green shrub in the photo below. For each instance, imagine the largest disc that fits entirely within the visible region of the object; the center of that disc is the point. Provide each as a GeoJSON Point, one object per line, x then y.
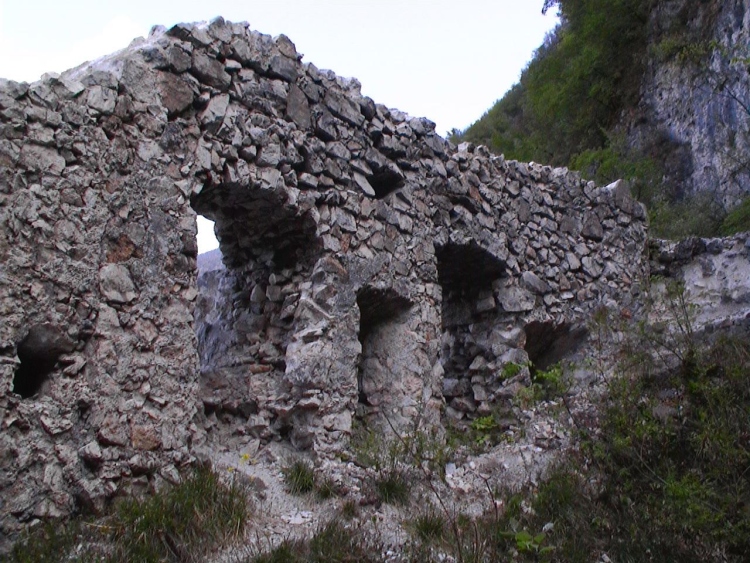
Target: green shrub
{"type": "Point", "coordinates": [582, 88]}
{"type": "Point", "coordinates": [698, 215]}
{"type": "Point", "coordinates": [546, 385]}
{"type": "Point", "coordinates": [482, 433]}
{"type": "Point", "coordinates": [416, 447]}
{"type": "Point", "coordinates": [663, 474]}
{"type": "Point", "coordinates": [683, 48]}
{"type": "Point", "coordinates": [737, 220]}
{"type": "Point", "coordinates": [550, 383]}
{"type": "Point", "coordinates": [680, 475]}
{"type": "Point", "coordinates": [511, 370]}
{"type": "Point", "coordinates": [483, 424]}
{"type": "Point", "coordinates": [616, 161]}
{"type": "Point", "coordinates": [485, 431]}
{"type": "Point", "coordinates": [575, 87]}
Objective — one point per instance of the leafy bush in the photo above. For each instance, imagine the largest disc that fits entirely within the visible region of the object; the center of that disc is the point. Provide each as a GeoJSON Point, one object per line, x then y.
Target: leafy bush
{"type": "Point", "coordinates": [486, 431]}
{"type": "Point", "coordinates": [581, 91]}
{"type": "Point", "coordinates": [665, 474]}
{"type": "Point", "coordinates": [484, 424]}
{"type": "Point", "coordinates": [699, 215]}
{"type": "Point", "coordinates": [511, 370]}
{"type": "Point", "coordinates": [413, 448]}
{"type": "Point", "coordinates": [550, 383]}
{"type": "Point", "coordinates": [683, 48]}
{"type": "Point", "coordinates": [671, 215]}
{"type": "Point", "coordinates": [616, 161]}
{"type": "Point", "coordinates": [573, 90]}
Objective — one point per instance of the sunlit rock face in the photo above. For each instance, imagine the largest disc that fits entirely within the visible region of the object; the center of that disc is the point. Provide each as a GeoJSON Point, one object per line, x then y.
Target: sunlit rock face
{"type": "Point", "coordinates": [369, 268]}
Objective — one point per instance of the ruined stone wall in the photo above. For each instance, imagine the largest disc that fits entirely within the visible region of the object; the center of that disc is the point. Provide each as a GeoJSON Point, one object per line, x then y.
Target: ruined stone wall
{"type": "Point", "coordinates": [370, 268]}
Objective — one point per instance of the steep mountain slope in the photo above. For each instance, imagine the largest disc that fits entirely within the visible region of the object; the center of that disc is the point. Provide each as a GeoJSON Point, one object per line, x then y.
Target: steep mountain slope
{"type": "Point", "coordinates": [654, 91]}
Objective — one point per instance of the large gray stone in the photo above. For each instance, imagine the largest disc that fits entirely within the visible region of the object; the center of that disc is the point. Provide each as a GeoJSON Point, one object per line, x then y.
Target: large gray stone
{"type": "Point", "coordinates": [534, 283]}
{"type": "Point", "coordinates": [208, 69]}
{"type": "Point", "coordinates": [592, 227]}
{"type": "Point", "coordinates": [116, 284]}
{"type": "Point", "coordinates": [176, 94]}
{"type": "Point", "coordinates": [297, 107]}
{"type": "Point", "coordinates": [213, 116]}
{"type": "Point", "coordinates": [42, 159]}
{"type": "Point", "coordinates": [344, 108]}
{"type": "Point", "coordinates": [516, 299]}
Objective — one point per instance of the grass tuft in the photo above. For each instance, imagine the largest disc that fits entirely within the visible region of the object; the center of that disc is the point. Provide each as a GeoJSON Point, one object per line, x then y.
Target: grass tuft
{"type": "Point", "coordinates": [393, 487]}
{"type": "Point", "coordinates": [52, 543]}
{"type": "Point", "coordinates": [350, 510]}
{"type": "Point", "coordinates": [429, 526]}
{"type": "Point", "coordinates": [299, 478]}
{"type": "Point", "coordinates": [181, 523]}
{"type": "Point", "coordinates": [333, 543]}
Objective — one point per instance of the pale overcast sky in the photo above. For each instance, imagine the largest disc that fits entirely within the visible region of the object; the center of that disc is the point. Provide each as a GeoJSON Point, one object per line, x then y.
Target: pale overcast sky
{"type": "Point", "coordinates": [445, 60]}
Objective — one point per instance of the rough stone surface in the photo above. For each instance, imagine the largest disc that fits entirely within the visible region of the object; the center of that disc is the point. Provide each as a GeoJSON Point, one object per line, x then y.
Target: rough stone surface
{"type": "Point", "coordinates": [369, 269]}
{"type": "Point", "coordinates": [715, 274]}
{"type": "Point", "coordinates": [693, 111]}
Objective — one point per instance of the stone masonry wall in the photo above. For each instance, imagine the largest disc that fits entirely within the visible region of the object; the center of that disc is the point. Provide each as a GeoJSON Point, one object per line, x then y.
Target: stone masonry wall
{"type": "Point", "coordinates": [370, 268]}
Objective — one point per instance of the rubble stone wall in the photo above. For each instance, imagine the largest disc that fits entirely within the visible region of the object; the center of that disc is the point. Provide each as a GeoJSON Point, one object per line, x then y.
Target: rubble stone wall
{"type": "Point", "coordinates": [369, 267]}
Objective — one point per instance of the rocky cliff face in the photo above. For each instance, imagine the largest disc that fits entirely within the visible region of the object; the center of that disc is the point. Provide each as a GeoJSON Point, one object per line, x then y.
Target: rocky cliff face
{"type": "Point", "coordinates": [370, 268]}
{"type": "Point", "coordinates": [716, 278]}
{"type": "Point", "coordinates": [695, 108]}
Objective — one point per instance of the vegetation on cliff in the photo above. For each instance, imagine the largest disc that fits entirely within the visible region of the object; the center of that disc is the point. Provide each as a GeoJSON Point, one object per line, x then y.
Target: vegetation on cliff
{"type": "Point", "coordinates": [577, 96]}
{"type": "Point", "coordinates": [572, 92]}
